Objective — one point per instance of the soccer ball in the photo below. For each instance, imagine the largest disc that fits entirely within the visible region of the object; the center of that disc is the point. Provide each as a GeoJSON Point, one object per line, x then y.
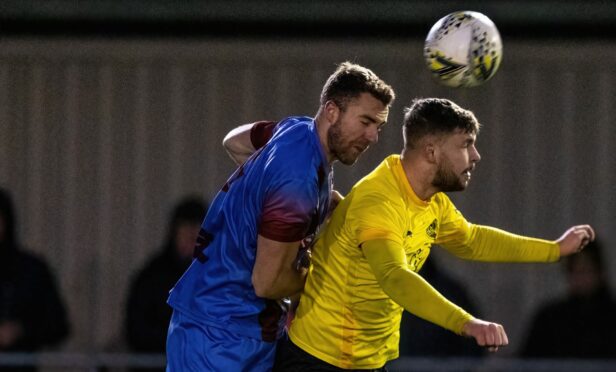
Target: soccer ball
{"type": "Point", "coordinates": [463, 49]}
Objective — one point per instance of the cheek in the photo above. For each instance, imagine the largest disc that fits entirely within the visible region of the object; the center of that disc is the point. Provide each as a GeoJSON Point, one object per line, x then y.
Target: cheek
{"type": "Point", "coordinates": [343, 133]}
{"type": "Point", "coordinates": [467, 156]}
{"type": "Point", "coordinates": [459, 162]}
{"type": "Point", "coordinates": [359, 133]}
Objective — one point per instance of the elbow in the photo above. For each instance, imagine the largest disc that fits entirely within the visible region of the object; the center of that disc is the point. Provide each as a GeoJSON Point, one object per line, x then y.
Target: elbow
{"type": "Point", "coordinates": [394, 281]}
{"type": "Point", "coordinates": [236, 151]}
{"type": "Point", "coordinates": [267, 292]}
{"type": "Point", "coordinates": [261, 291]}
{"type": "Point", "coordinates": [262, 288]}
{"type": "Point", "coordinates": [226, 142]}
{"type": "Point", "coordinates": [233, 153]}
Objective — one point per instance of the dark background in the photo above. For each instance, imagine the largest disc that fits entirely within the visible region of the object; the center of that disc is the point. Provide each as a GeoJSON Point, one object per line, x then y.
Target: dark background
{"type": "Point", "coordinates": [110, 111]}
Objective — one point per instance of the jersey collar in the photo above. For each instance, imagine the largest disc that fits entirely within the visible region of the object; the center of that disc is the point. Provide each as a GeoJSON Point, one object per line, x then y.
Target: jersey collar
{"type": "Point", "coordinates": [404, 184]}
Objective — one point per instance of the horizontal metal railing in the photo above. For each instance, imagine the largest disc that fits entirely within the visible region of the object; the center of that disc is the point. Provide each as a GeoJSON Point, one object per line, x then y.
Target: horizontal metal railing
{"type": "Point", "coordinates": [82, 361]}
{"type": "Point", "coordinates": [98, 361]}
{"type": "Point", "coordinates": [500, 364]}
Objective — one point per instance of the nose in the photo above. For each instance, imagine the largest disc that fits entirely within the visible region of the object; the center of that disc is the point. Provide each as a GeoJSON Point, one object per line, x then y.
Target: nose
{"type": "Point", "coordinates": [475, 156]}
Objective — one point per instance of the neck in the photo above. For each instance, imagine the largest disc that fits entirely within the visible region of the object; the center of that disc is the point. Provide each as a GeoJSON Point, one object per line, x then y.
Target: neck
{"type": "Point", "coordinates": [323, 125]}
{"type": "Point", "coordinates": [419, 174]}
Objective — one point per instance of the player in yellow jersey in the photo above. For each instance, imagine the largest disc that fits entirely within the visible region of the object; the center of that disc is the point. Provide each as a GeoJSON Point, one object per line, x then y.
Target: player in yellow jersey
{"type": "Point", "coordinates": [365, 263]}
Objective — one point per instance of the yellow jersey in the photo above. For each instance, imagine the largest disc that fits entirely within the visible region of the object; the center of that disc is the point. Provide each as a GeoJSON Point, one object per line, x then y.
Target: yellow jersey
{"type": "Point", "coordinates": [344, 317]}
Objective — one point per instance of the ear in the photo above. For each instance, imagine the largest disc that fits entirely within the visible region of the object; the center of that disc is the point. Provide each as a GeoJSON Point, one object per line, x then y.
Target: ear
{"type": "Point", "coordinates": [332, 111]}
{"type": "Point", "coordinates": [431, 151]}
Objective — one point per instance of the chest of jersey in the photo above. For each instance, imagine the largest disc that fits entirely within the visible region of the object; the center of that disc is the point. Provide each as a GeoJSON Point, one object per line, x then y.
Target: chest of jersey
{"type": "Point", "coordinates": [421, 229]}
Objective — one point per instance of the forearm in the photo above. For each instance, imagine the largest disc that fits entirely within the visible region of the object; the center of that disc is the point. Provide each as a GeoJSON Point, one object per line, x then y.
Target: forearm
{"type": "Point", "coordinates": [286, 283]}
{"type": "Point", "coordinates": [275, 274]}
{"type": "Point", "coordinates": [244, 140]}
{"type": "Point", "coordinates": [491, 244]}
{"type": "Point", "coordinates": [410, 290]}
{"type": "Point", "coordinates": [238, 144]}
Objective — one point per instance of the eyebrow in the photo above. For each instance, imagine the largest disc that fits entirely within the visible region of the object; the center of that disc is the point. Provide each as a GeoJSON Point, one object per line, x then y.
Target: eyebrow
{"type": "Point", "coordinates": [372, 120]}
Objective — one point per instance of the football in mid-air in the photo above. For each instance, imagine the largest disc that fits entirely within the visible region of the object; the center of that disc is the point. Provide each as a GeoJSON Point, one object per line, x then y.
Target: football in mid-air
{"type": "Point", "coordinates": [463, 49]}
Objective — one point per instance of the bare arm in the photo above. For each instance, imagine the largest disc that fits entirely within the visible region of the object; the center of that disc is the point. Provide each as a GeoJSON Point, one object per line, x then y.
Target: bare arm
{"type": "Point", "coordinates": [238, 143]}
{"type": "Point", "coordinates": [274, 274]}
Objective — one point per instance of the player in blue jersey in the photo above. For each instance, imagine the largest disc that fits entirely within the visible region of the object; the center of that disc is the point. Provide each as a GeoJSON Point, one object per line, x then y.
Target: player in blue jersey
{"type": "Point", "coordinates": [227, 314]}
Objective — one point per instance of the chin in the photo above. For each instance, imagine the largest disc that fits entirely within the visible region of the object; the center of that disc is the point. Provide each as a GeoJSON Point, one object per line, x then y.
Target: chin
{"type": "Point", "coordinates": [453, 187]}
{"type": "Point", "coordinates": [349, 159]}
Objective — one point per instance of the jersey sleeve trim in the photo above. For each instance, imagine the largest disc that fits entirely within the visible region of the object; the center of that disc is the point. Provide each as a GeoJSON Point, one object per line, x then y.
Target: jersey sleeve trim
{"type": "Point", "coordinates": [376, 234]}
{"type": "Point", "coordinates": [261, 132]}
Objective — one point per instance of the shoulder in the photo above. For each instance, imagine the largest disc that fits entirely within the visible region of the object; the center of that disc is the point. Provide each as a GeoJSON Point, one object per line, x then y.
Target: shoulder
{"type": "Point", "coordinates": [440, 198]}
{"type": "Point", "coordinates": [374, 199]}
{"type": "Point", "coordinates": [31, 260]}
{"type": "Point", "coordinates": [31, 266]}
{"type": "Point", "coordinates": [441, 202]}
{"type": "Point", "coordinates": [292, 152]}
{"type": "Point", "coordinates": [379, 186]}
{"type": "Point", "coordinates": [293, 128]}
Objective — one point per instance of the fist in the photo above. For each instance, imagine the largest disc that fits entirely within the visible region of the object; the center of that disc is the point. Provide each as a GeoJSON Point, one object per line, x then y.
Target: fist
{"type": "Point", "coordinates": [487, 334]}
{"type": "Point", "coordinates": [575, 239]}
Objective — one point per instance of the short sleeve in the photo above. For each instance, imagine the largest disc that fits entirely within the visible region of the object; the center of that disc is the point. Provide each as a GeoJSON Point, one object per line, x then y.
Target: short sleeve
{"type": "Point", "coordinates": [374, 216]}
{"type": "Point", "coordinates": [261, 132]}
{"type": "Point", "coordinates": [288, 210]}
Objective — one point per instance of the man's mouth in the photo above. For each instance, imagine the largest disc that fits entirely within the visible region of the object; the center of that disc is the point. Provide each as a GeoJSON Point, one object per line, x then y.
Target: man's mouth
{"type": "Point", "coordinates": [467, 172]}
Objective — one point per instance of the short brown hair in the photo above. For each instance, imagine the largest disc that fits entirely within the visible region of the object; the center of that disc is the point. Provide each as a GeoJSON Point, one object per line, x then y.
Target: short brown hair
{"type": "Point", "coordinates": [434, 116]}
{"type": "Point", "coordinates": [350, 80]}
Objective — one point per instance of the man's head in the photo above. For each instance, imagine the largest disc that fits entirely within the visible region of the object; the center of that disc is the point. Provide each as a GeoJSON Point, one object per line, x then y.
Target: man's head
{"type": "Point", "coordinates": [184, 225]}
{"type": "Point", "coordinates": [355, 102]}
{"type": "Point", "coordinates": [445, 133]}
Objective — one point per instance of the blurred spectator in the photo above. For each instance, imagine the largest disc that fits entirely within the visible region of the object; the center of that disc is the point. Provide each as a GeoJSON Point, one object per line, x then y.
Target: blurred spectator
{"type": "Point", "coordinates": [419, 338]}
{"type": "Point", "coordinates": [148, 314]}
{"type": "Point", "coordinates": [582, 324]}
{"type": "Point", "coordinates": [32, 315]}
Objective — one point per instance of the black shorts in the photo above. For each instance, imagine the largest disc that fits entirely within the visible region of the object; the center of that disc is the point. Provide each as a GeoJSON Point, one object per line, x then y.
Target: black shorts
{"type": "Point", "coordinates": [291, 358]}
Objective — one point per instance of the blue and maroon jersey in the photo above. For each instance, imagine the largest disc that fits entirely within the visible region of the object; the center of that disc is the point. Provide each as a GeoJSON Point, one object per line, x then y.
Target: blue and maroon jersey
{"type": "Point", "coordinates": [282, 193]}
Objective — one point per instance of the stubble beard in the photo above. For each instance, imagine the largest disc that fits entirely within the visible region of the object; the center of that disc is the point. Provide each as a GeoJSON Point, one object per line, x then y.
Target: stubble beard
{"type": "Point", "coordinates": [342, 151]}
{"type": "Point", "coordinates": [446, 180]}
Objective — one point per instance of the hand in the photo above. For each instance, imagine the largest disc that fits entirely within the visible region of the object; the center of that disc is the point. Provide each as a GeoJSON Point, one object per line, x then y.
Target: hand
{"type": "Point", "coordinates": [575, 239]}
{"type": "Point", "coordinates": [304, 254]}
{"type": "Point", "coordinates": [303, 260]}
{"type": "Point", "coordinates": [334, 199]}
{"type": "Point", "coordinates": [487, 334]}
